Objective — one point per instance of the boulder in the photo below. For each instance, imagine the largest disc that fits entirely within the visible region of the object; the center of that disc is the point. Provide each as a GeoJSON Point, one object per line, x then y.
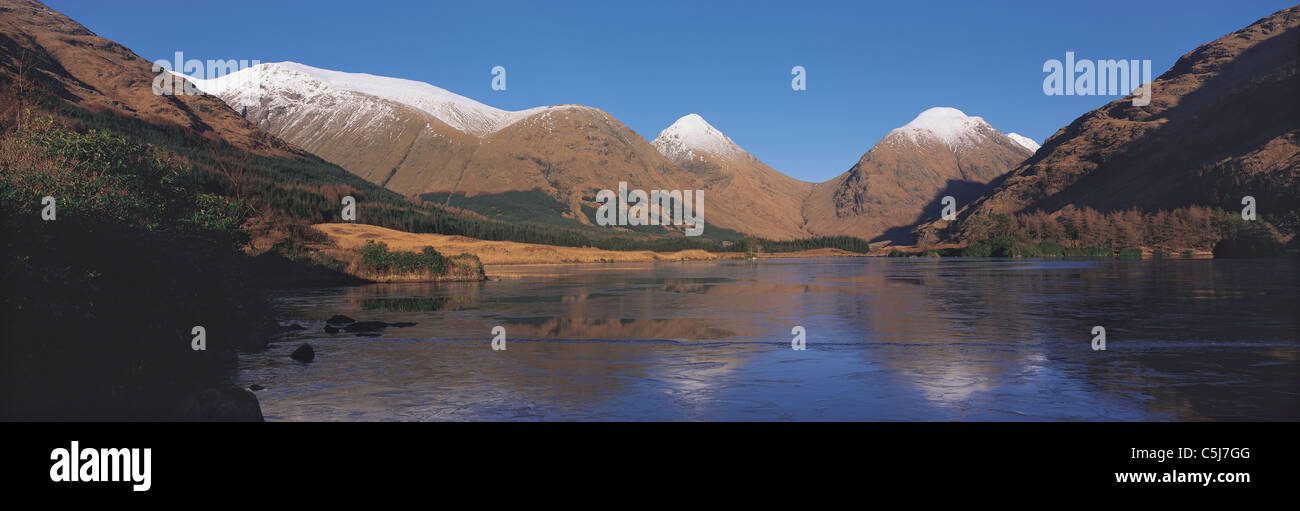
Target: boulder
{"type": "Point", "coordinates": [339, 319]}
{"type": "Point", "coordinates": [366, 326]}
{"type": "Point", "coordinates": [222, 403]}
{"type": "Point", "coordinates": [304, 353]}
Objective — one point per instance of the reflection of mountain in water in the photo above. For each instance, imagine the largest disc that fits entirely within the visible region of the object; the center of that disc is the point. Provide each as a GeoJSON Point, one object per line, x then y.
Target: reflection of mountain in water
{"type": "Point", "coordinates": [900, 338]}
{"type": "Point", "coordinates": [552, 327]}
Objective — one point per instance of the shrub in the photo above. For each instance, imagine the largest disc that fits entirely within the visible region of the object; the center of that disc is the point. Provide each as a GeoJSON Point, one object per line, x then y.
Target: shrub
{"type": "Point", "coordinates": [999, 247]}
{"type": "Point", "coordinates": [1242, 238]}
{"type": "Point", "coordinates": [376, 258]}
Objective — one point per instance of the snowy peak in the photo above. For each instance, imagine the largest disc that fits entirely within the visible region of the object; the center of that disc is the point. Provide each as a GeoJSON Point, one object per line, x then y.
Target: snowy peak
{"type": "Point", "coordinates": [246, 87]}
{"type": "Point", "coordinates": [691, 137]}
{"type": "Point", "coordinates": [291, 81]}
{"type": "Point", "coordinates": [1026, 142]}
{"type": "Point", "coordinates": [947, 125]}
{"type": "Point", "coordinates": [458, 111]}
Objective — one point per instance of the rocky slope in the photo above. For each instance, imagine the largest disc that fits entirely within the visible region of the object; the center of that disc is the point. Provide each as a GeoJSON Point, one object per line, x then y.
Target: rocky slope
{"type": "Point", "coordinates": [47, 50]}
{"type": "Point", "coordinates": [1223, 123]}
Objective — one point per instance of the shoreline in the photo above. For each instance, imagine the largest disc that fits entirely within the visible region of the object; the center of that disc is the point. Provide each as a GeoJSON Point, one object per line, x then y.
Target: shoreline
{"type": "Point", "coordinates": [509, 253]}
{"type": "Point", "coordinates": [498, 256]}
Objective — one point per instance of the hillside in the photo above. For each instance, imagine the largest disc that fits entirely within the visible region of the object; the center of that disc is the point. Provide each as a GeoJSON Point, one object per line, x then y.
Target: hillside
{"type": "Point", "coordinates": [1223, 124]}
{"type": "Point", "coordinates": [902, 179]}
{"type": "Point", "coordinates": [768, 200]}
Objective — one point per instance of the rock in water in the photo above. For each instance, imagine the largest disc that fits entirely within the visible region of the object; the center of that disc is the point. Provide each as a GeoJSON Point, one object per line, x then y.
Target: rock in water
{"type": "Point", "coordinates": [304, 353]}
{"type": "Point", "coordinates": [330, 329]}
{"type": "Point", "coordinates": [339, 319]}
{"type": "Point", "coordinates": [226, 403]}
{"type": "Point", "coordinates": [401, 324]}
{"type": "Point", "coordinates": [366, 326]}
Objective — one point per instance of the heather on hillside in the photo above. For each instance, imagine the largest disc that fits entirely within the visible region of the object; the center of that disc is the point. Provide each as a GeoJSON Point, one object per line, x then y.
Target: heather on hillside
{"type": "Point", "coordinates": [110, 283]}
{"type": "Point", "coordinates": [1088, 232]}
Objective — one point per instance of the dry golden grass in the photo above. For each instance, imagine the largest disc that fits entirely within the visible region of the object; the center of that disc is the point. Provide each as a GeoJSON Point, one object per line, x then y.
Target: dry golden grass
{"type": "Point", "coordinates": [353, 236]}
{"type": "Point", "coordinates": [345, 241]}
{"type": "Point", "coordinates": [460, 268]}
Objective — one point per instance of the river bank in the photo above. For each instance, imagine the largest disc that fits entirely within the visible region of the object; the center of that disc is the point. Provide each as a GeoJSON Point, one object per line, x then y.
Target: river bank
{"type": "Point", "coordinates": [504, 253]}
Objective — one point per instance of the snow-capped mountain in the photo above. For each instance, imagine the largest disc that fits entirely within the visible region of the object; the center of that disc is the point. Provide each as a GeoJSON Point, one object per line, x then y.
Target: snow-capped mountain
{"type": "Point", "coordinates": [947, 125]}
{"type": "Point", "coordinates": [370, 136]}
{"type": "Point", "coordinates": [417, 139]}
{"type": "Point", "coordinates": [1027, 142]}
{"type": "Point", "coordinates": [283, 82]}
{"type": "Point", "coordinates": [952, 128]}
{"type": "Point", "coordinates": [754, 195]}
{"type": "Point", "coordinates": [901, 181]}
{"type": "Point", "coordinates": [691, 137]}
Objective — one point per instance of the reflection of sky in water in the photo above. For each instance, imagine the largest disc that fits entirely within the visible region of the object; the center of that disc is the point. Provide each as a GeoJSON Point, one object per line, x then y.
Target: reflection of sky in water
{"type": "Point", "coordinates": [888, 339]}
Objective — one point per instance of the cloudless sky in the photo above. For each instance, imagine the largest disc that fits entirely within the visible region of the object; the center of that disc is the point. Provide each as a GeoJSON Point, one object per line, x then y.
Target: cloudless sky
{"type": "Point", "coordinates": [871, 66]}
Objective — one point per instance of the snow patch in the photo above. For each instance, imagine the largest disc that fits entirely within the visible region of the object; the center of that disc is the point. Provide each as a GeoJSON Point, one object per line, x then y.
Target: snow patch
{"type": "Point", "coordinates": [285, 83]}
{"type": "Point", "coordinates": [691, 137]}
{"type": "Point", "coordinates": [948, 125]}
{"type": "Point", "coordinates": [1027, 142]}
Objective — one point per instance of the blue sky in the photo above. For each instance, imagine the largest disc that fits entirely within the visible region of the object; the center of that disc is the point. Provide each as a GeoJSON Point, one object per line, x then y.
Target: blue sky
{"type": "Point", "coordinates": [871, 66]}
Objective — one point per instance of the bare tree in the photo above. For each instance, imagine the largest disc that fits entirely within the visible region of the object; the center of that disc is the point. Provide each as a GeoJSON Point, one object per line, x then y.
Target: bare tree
{"type": "Point", "coordinates": [233, 164]}
{"type": "Point", "coordinates": [24, 66]}
{"type": "Point", "coordinates": [18, 108]}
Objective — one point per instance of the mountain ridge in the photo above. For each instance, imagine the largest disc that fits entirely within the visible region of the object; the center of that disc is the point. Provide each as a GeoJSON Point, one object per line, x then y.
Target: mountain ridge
{"type": "Point", "coordinates": [1223, 124]}
{"type": "Point", "coordinates": [387, 144]}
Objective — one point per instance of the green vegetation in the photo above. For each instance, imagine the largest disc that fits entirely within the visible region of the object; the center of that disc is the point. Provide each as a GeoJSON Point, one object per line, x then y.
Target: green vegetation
{"type": "Point", "coordinates": [530, 206]}
{"type": "Point", "coordinates": [848, 243]}
{"type": "Point", "coordinates": [1246, 239]}
{"type": "Point", "coordinates": [378, 260]}
{"type": "Point", "coordinates": [139, 253]}
{"type": "Point", "coordinates": [101, 177]}
{"type": "Point", "coordinates": [1088, 233]}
